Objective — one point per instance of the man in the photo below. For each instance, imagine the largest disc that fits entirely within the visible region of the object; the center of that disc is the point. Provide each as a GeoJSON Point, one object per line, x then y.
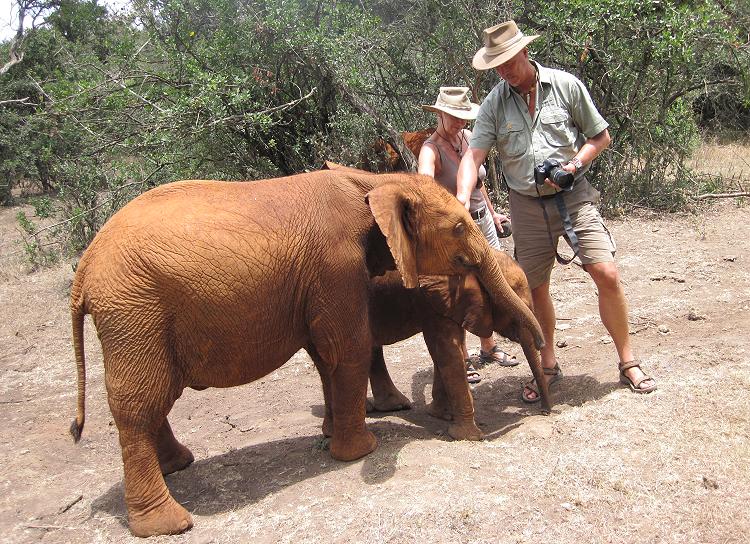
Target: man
{"type": "Point", "coordinates": [533, 114]}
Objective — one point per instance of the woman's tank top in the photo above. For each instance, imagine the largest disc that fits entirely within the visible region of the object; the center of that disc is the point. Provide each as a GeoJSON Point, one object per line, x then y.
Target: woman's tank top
{"type": "Point", "coordinates": [448, 175]}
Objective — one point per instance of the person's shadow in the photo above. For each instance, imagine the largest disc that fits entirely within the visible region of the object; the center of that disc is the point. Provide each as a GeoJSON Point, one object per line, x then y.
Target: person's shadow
{"type": "Point", "coordinates": [245, 476]}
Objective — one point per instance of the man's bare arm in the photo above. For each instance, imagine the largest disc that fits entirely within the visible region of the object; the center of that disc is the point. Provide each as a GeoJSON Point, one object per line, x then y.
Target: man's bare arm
{"type": "Point", "coordinates": [467, 173]}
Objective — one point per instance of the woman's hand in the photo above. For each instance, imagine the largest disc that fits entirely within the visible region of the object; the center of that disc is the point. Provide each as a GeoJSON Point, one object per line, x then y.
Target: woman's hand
{"type": "Point", "coordinates": [499, 219]}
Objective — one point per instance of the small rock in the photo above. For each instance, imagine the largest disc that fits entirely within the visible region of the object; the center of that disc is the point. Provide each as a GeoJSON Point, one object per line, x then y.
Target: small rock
{"type": "Point", "coordinates": [708, 483]}
{"type": "Point", "coordinates": [562, 326]}
{"type": "Point", "coordinates": [693, 315]}
{"type": "Point", "coordinates": [663, 329]}
{"type": "Point", "coordinates": [561, 343]}
{"type": "Point", "coordinates": [567, 506]}
{"type": "Point", "coordinates": [475, 466]}
{"type": "Point", "coordinates": [730, 258]}
{"type": "Point", "coordinates": [605, 339]}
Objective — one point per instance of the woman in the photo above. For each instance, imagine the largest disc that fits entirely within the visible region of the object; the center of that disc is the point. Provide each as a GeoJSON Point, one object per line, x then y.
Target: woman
{"type": "Point", "coordinates": [439, 158]}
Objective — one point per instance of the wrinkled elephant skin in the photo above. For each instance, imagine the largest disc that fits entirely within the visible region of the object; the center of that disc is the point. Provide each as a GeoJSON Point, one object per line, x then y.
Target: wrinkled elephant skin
{"type": "Point", "coordinates": [441, 309]}
{"type": "Point", "coordinates": [216, 284]}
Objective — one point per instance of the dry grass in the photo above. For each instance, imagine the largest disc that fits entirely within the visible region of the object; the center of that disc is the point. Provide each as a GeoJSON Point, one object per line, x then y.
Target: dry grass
{"type": "Point", "coordinates": [730, 161]}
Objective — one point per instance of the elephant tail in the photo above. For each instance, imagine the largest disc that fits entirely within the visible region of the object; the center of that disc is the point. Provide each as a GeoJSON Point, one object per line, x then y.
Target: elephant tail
{"type": "Point", "coordinates": [78, 312]}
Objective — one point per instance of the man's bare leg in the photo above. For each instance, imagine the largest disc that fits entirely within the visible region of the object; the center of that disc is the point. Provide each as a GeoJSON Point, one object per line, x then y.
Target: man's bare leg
{"type": "Point", "coordinates": [613, 309]}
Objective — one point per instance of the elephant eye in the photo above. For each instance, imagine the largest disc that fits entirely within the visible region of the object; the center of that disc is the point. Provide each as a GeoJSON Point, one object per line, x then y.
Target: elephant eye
{"type": "Point", "coordinates": [459, 229]}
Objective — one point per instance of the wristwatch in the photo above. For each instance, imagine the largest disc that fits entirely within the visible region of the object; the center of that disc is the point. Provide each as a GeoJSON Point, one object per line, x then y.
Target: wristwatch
{"type": "Point", "coordinates": [575, 161]}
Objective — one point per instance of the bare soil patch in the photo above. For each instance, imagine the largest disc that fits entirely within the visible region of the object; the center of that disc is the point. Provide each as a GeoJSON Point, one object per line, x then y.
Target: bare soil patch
{"type": "Point", "coordinates": [606, 466]}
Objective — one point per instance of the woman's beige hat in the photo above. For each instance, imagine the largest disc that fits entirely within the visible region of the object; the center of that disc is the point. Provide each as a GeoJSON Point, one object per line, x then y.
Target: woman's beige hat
{"type": "Point", "coordinates": [501, 43]}
{"type": "Point", "coordinates": [454, 101]}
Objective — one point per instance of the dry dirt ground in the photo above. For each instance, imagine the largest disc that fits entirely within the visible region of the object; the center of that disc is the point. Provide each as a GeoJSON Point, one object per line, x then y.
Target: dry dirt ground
{"type": "Point", "coordinates": [606, 466]}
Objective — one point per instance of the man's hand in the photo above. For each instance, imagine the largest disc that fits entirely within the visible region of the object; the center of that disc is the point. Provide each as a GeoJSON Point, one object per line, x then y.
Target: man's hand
{"type": "Point", "coordinates": [568, 167]}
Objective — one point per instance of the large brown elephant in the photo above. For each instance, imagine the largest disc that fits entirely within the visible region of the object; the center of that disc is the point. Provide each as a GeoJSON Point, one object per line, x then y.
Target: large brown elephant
{"type": "Point", "coordinates": [216, 284]}
{"type": "Point", "coordinates": [441, 309]}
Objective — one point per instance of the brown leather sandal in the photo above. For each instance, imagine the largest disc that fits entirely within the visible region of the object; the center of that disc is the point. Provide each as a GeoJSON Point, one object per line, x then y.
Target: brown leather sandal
{"type": "Point", "coordinates": [556, 375]}
{"type": "Point", "coordinates": [635, 386]}
{"type": "Point", "coordinates": [472, 376]}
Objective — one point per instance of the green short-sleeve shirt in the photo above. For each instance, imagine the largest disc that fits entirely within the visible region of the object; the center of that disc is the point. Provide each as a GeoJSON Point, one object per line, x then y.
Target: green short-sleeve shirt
{"type": "Point", "coordinates": [565, 117]}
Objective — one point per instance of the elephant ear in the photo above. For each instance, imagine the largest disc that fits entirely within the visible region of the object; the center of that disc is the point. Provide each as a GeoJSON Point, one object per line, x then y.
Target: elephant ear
{"type": "Point", "coordinates": [395, 214]}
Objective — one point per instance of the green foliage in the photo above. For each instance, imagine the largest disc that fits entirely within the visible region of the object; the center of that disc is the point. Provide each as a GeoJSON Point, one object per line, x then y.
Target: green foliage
{"type": "Point", "coordinates": [36, 253]}
{"type": "Point", "coordinates": [103, 107]}
{"type": "Point", "coordinates": [645, 62]}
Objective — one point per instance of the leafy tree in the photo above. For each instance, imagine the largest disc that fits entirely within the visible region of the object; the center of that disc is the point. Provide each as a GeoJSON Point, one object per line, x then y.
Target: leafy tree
{"type": "Point", "coordinates": [99, 107]}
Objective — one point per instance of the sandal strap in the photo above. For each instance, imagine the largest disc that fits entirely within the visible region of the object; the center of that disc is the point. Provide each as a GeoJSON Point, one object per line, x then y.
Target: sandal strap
{"type": "Point", "coordinates": [629, 364]}
{"type": "Point", "coordinates": [637, 383]}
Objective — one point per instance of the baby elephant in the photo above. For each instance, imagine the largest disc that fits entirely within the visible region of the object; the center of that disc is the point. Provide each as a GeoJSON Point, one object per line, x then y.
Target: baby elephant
{"type": "Point", "coordinates": [441, 309]}
{"type": "Point", "coordinates": [215, 284]}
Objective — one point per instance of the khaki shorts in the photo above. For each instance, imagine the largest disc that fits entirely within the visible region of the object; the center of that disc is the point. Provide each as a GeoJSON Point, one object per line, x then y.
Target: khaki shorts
{"type": "Point", "coordinates": [535, 253]}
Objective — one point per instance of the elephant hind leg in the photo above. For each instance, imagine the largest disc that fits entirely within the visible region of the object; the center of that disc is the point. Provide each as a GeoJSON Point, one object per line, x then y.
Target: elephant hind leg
{"type": "Point", "coordinates": [151, 508]}
{"type": "Point", "coordinates": [173, 456]}
{"type": "Point", "coordinates": [325, 378]}
{"type": "Point", "coordinates": [141, 418]}
{"type": "Point", "coordinates": [386, 397]}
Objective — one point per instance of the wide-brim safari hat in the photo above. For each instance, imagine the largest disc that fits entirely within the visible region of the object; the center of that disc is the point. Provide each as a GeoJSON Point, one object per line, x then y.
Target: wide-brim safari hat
{"type": "Point", "coordinates": [454, 101]}
{"type": "Point", "coordinates": [501, 43]}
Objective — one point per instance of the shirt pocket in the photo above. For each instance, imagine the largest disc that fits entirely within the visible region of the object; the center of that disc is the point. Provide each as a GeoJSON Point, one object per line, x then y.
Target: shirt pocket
{"type": "Point", "coordinates": [511, 142]}
{"type": "Point", "coordinates": [557, 127]}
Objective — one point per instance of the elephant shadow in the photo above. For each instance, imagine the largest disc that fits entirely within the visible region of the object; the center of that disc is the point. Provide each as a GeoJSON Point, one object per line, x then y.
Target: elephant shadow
{"type": "Point", "coordinates": [497, 403]}
{"type": "Point", "coordinates": [247, 475]}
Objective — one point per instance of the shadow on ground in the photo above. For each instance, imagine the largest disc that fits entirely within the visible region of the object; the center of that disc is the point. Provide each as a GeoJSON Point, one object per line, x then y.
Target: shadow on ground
{"type": "Point", "coordinates": [245, 476]}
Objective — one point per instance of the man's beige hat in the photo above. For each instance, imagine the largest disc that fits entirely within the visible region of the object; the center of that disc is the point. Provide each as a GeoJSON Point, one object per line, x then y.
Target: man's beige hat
{"type": "Point", "coordinates": [501, 43]}
{"type": "Point", "coordinates": [454, 101]}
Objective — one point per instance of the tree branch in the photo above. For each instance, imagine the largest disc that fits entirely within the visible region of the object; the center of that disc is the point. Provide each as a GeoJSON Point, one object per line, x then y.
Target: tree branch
{"type": "Point", "coordinates": [707, 196]}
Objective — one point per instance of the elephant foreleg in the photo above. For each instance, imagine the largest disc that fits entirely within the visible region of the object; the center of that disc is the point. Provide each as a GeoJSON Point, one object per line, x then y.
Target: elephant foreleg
{"type": "Point", "coordinates": [444, 339]}
{"type": "Point", "coordinates": [351, 439]}
{"type": "Point", "coordinates": [440, 406]}
{"type": "Point", "coordinates": [386, 397]}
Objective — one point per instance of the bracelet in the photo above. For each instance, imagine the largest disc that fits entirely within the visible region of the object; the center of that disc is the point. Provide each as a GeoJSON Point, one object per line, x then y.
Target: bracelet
{"type": "Point", "coordinates": [575, 161]}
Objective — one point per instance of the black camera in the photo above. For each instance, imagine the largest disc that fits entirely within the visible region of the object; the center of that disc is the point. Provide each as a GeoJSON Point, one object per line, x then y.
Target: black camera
{"type": "Point", "coordinates": [552, 169]}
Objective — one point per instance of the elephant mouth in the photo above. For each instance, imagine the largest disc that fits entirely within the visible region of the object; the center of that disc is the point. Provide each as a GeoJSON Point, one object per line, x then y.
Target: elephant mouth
{"type": "Point", "coordinates": [464, 262]}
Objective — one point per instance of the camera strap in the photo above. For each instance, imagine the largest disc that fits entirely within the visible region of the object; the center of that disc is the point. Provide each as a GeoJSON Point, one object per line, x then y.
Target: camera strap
{"type": "Point", "coordinates": [567, 225]}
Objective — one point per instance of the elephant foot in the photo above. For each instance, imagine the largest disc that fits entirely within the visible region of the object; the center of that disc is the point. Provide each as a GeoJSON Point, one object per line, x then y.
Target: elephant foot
{"type": "Point", "coordinates": [392, 402]}
{"type": "Point", "coordinates": [168, 518]}
{"type": "Point", "coordinates": [353, 446]}
{"type": "Point", "coordinates": [466, 430]}
{"type": "Point", "coordinates": [178, 458]}
{"type": "Point", "coordinates": [439, 410]}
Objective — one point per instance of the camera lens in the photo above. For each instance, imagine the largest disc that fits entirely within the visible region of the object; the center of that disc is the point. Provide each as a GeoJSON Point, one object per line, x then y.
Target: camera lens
{"type": "Point", "coordinates": [561, 178]}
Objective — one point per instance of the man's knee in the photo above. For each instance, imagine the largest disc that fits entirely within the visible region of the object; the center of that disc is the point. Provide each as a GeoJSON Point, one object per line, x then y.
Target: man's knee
{"type": "Point", "coordinates": [605, 275]}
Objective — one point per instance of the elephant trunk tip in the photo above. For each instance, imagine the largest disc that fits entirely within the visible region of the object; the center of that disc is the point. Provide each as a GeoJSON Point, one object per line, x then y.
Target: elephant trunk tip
{"type": "Point", "coordinates": [76, 428]}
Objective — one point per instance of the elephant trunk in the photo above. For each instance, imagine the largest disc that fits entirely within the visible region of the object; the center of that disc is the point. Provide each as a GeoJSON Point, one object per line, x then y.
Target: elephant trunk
{"type": "Point", "coordinates": [503, 296]}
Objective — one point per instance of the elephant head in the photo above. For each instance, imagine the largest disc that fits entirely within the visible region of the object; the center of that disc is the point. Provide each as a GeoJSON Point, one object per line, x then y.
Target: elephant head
{"type": "Point", "coordinates": [429, 232]}
{"type": "Point", "coordinates": [465, 301]}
